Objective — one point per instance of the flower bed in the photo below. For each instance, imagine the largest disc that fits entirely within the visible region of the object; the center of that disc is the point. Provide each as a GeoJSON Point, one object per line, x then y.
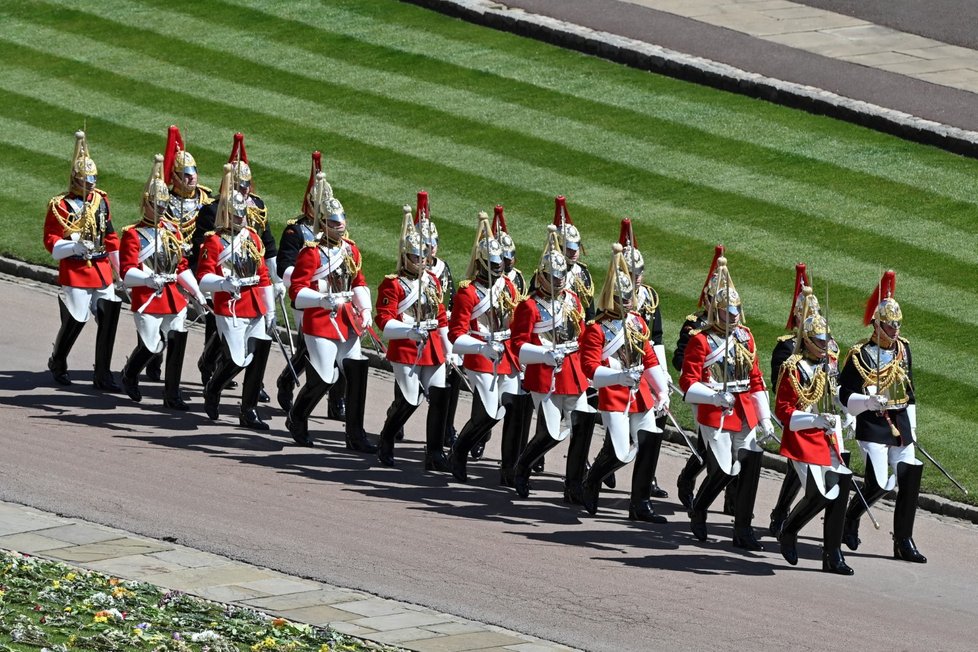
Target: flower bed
{"type": "Point", "coordinates": [50, 606]}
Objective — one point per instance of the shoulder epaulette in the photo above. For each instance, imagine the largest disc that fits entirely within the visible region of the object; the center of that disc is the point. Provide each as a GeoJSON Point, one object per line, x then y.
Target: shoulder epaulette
{"type": "Point", "coordinates": [207, 195]}
{"type": "Point", "coordinates": [310, 243]}
{"type": "Point", "coordinates": [390, 276]}
{"type": "Point", "coordinates": [696, 331]}
{"type": "Point", "coordinates": [292, 222]}
{"type": "Point", "coordinates": [903, 339]}
{"type": "Point", "coordinates": [101, 192]}
{"type": "Point", "coordinates": [349, 240]}
{"type": "Point", "coordinates": [692, 317]}
{"type": "Point", "coordinates": [464, 284]}
{"type": "Point", "coordinates": [786, 337]}
{"type": "Point", "coordinates": [582, 264]}
{"type": "Point", "coordinates": [128, 227]}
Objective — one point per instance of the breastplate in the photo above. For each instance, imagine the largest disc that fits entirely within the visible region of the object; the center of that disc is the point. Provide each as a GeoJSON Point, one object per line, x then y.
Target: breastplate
{"type": "Point", "coordinates": [627, 354]}
{"type": "Point", "coordinates": [245, 257]}
{"type": "Point", "coordinates": [425, 307]}
{"type": "Point", "coordinates": [184, 212]}
{"type": "Point", "coordinates": [808, 373]}
{"type": "Point", "coordinates": [888, 372]}
{"type": "Point", "coordinates": [305, 231]}
{"type": "Point", "coordinates": [562, 329]}
{"type": "Point", "coordinates": [496, 318]}
{"type": "Point", "coordinates": [734, 367]}
{"type": "Point", "coordinates": [166, 250]}
{"type": "Point", "coordinates": [340, 279]}
{"type": "Point", "coordinates": [89, 222]}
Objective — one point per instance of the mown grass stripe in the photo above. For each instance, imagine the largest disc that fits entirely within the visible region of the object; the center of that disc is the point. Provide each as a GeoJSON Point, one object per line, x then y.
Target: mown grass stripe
{"type": "Point", "coordinates": [803, 197]}
{"type": "Point", "coordinates": [410, 30]}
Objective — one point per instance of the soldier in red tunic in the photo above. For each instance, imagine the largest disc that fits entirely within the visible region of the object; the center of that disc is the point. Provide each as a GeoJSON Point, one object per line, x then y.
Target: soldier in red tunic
{"type": "Point", "coordinates": [722, 379]}
{"type": "Point", "coordinates": [812, 441]}
{"type": "Point", "coordinates": [79, 235]}
{"type": "Point", "coordinates": [480, 331]}
{"type": "Point", "coordinates": [412, 318]}
{"type": "Point", "coordinates": [328, 285]}
{"type": "Point", "coordinates": [546, 327]}
{"type": "Point", "coordinates": [153, 267]}
{"type": "Point", "coordinates": [232, 267]}
{"type": "Point", "coordinates": [617, 356]}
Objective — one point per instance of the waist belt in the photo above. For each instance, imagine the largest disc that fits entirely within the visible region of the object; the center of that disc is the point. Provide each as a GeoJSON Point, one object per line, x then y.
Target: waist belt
{"type": "Point", "coordinates": [733, 386]}
{"type": "Point", "coordinates": [495, 336]}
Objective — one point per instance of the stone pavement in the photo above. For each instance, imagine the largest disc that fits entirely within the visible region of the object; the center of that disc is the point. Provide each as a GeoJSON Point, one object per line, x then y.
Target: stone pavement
{"type": "Point", "coordinates": [120, 554]}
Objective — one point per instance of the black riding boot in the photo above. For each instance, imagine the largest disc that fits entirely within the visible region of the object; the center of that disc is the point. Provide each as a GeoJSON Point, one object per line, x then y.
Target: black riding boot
{"type": "Point", "coordinates": [604, 464]}
{"type": "Point", "coordinates": [210, 357]}
{"type": "Point", "coordinates": [154, 368]}
{"type": "Point", "coordinates": [810, 504]}
{"type": "Point", "coordinates": [356, 405]}
{"type": "Point", "coordinates": [254, 373]}
{"type": "Point", "coordinates": [305, 402]}
{"type": "Point", "coordinates": [397, 415]}
{"type": "Point", "coordinates": [434, 449]}
{"type": "Point", "coordinates": [686, 482]}
{"type": "Point", "coordinates": [286, 382]}
{"type": "Point", "coordinates": [138, 359]}
{"type": "Point", "coordinates": [835, 515]}
{"type": "Point", "coordinates": [730, 497]}
{"type": "Point", "coordinates": [908, 491]}
{"type": "Point", "coordinates": [872, 492]}
{"type": "Point", "coordinates": [336, 403]}
{"type": "Point", "coordinates": [582, 429]}
{"type": "Point", "coordinates": [534, 450]}
{"type": "Point", "coordinates": [67, 334]}
{"type": "Point", "coordinates": [656, 490]}
{"type": "Point", "coordinates": [716, 480]}
{"type": "Point", "coordinates": [516, 431]}
{"type": "Point", "coordinates": [223, 374]}
{"type": "Point", "coordinates": [478, 426]}
{"type": "Point", "coordinates": [454, 386]}
{"type": "Point", "coordinates": [643, 471]}
{"type": "Point", "coordinates": [176, 348]}
{"type": "Point", "coordinates": [790, 487]}
{"type": "Point", "coordinates": [107, 313]}
{"type": "Point", "coordinates": [746, 493]}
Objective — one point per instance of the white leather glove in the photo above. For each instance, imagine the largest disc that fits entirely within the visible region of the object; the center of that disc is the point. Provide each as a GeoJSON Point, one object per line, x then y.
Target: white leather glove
{"type": "Point", "coordinates": [270, 321]}
{"type": "Point", "coordinates": [723, 400]}
{"type": "Point", "coordinates": [492, 350]}
{"type": "Point", "coordinates": [155, 282]}
{"type": "Point", "coordinates": [67, 248]}
{"type": "Point", "coordinates": [539, 354]}
{"type": "Point", "coordinates": [824, 421]}
{"type": "Point", "coordinates": [627, 379]}
{"type": "Point", "coordinates": [231, 285]}
{"type": "Point", "coordinates": [417, 335]}
{"type": "Point", "coordinates": [329, 302]}
{"type": "Point", "coordinates": [662, 402]}
{"type": "Point", "coordinates": [767, 428]}
{"type": "Point", "coordinates": [849, 425]}
{"type": "Point", "coordinates": [366, 318]}
{"type": "Point", "coordinates": [859, 403]}
{"type": "Point", "coordinates": [279, 290]}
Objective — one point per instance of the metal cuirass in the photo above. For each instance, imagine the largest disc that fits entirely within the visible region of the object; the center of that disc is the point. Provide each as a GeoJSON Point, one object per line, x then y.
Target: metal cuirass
{"type": "Point", "coordinates": [496, 318]}
{"type": "Point", "coordinates": [89, 221]}
{"type": "Point", "coordinates": [888, 372]}
{"type": "Point", "coordinates": [629, 355]}
{"type": "Point", "coordinates": [183, 211]}
{"type": "Point", "coordinates": [557, 319]}
{"type": "Point", "coordinates": [734, 367]}
{"type": "Point", "coordinates": [424, 309]}
{"type": "Point", "coordinates": [340, 266]}
{"type": "Point", "coordinates": [165, 250]}
{"type": "Point", "coordinates": [245, 257]}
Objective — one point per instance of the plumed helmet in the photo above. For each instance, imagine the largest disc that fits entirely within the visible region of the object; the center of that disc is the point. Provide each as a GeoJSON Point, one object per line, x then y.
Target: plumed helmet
{"type": "Point", "coordinates": [176, 159]}
{"type": "Point", "coordinates": [83, 170]}
{"type": "Point", "coordinates": [232, 208]}
{"type": "Point", "coordinates": [797, 303]}
{"type": "Point", "coordinates": [633, 257]}
{"type": "Point", "coordinates": [570, 237]}
{"type": "Point", "coordinates": [239, 159]}
{"type": "Point", "coordinates": [422, 220]}
{"type": "Point", "coordinates": [487, 253]}
{"type": "Point", "coordinates": [552, 270]}
{"type": "Point", "coordinates": [811, 323]}
{"type": "Point", "coordinates": [706, 294]}
{"type": "Point", "coordinates": [725, 295]}
{"type": "Point", "coordinates": [412, 246]}
{"type": "Point", "coordinates": [882, 307]}
{"type": "Point", "coordinates": [501, 232]}
{"type": "Point", "coordinates": [156, 195]}
{"type": "Point", "coordinates": [317, 167]}
{"type": "Point", "coordinates": [618, 291]}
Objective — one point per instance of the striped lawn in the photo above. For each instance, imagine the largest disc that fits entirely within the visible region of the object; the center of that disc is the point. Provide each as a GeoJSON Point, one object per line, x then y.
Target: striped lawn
{"type": "Point", "coordinates": [398, 99]}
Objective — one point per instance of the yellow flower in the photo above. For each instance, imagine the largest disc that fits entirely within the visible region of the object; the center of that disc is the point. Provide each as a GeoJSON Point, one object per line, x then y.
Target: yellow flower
{"type": "Point", "coordinates": [101, 619]}
{"type": "Point", "coordinates": [137, 632]}
{"type": "Point", "coordinates": [56, 584]}
{"type": "Point", "coordinates": [67, 610]}
{"type": "Point", "coordinates": [70, 577]}
{"type": "Point", "coordinates": [324, 648]}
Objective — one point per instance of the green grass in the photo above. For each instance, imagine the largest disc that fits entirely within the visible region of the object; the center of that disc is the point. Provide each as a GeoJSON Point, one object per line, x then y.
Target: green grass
{"type": "Point", "coordinates": [399, 98]}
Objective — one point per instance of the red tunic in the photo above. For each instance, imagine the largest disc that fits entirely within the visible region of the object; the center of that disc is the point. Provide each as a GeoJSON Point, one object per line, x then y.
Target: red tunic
{"type": "Point", "coordinates": [462, 323]}
{"type": "Point", "coordinates": [810, 445]}
{"type": "Point", "coordinates": [76, 272]}
{"type": "Point", "coordinates": [571, 380]}
{"type": "Point", "coordinates": [171, 300]}
{"type": "Point", "coordinates": [316, 321]}
{"type": "Point", "coordinates": [403, 350]}
{"type": "Point", "coordinates": [694, 370]}
{"type": "Point", "coordinates": [251, 303]}
{"type": "Point", "coordinates": [614, 398]}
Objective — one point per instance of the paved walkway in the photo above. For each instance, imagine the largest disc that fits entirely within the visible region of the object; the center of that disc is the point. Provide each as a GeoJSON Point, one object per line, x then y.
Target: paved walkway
{"type": "Point", "coordinates": [121, 554]}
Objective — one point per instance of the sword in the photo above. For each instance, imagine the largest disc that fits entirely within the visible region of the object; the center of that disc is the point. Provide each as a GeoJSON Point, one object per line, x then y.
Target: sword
{"type": "Point", "coordinates": [378, 344]}
{"type": "Point", "coordinates": [940, 468]}
{"type": "Point", "coordinates": [682, 432]}
{"type": "Point", "coordinates": [465, 381]}
{"type": "Point", "coordinates": [281, 346]}
{"type": "Point", "coordinates": [288, 327]}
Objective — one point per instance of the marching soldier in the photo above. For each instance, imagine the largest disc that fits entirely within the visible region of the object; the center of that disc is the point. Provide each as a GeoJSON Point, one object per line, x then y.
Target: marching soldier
{"type": "Point", "coordinates": [153, 267]}
{"type": "Point", "coordinates": [695, 322]}
{"type": "Point", "coordinates": [231, 266]}
{"type": "Point", "coordinates": [647, 306]}
{"type": "Point", "coordinates": [297, 233]}
{"type": "Point", "coordinates": [618, 358]}
{"type": "Point", "coordinates": [78, 233]}
{"type": "Point", "coordinates": [480, 330]}
{"type": "Point", "coordinates": [328, 285]}
{"type": "Point", "coordinates": [722, 379]}
{"type": "Point", "coordinates": [516, 423]}
{"type": "Point", "coordinates": [877, 387]}
{"type": "Point", "coordinates": [440, 268]}
{"type": "Point", "coordinates": [258, 221]}
{"type": "Point", "coordinates": [412, 318]}
{"type": "Point", "coordinates": [812, 440]}
{"type": "Point", "coordinates": [579, 276]}
{"type": "Point", "coordinates": [546, 327]}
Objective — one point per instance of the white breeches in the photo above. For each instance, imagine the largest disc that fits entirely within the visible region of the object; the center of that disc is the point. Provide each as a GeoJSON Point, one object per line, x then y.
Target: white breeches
{"type": "Point", "coordinates": [556, 407]}
{"type": "Point", "coordinates": [326, 355]}
{"type": "Point", "coordinates": [412, 378]}
{"type": "Point", "coordinates": [886, 458]}
{"type": "Point", "coordinates": [81, 302]}
{"type": "Point", "coordinates": [153, 329]}
{"type": "Point", "coordinates": [238, 333]}
{"type": "Point", "coordinates": [820, 474]}
{"type": "Point", "coordinates": [491, 393]}
{"type": "Point", "coordinates": [624, 428]}
{"type": "Point", "coordinates": [726, 445]}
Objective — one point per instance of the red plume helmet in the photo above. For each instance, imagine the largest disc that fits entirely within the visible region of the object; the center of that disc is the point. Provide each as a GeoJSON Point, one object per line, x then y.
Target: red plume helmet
{"type": "Point", "coordinates": [317, 167]}
{"type": "Point", "coordinates": [174, 143]}
{"type": "Point", "coordinates": [560, 206]}
{"type": "Point", "coordinates": [718, 251]}
{"type": "Point", "coordinates": [885, 289]}
{"type": "Point", "coordinates": [626, 236]}
{"type": "Point", "coordinates": [801, 278]}
{"type": "Point", "coordinates": [423, 212]}
{"type": "Point", "coordinates": [498, 221]}
{"type": "Point", "coordinates": [238, 149]}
